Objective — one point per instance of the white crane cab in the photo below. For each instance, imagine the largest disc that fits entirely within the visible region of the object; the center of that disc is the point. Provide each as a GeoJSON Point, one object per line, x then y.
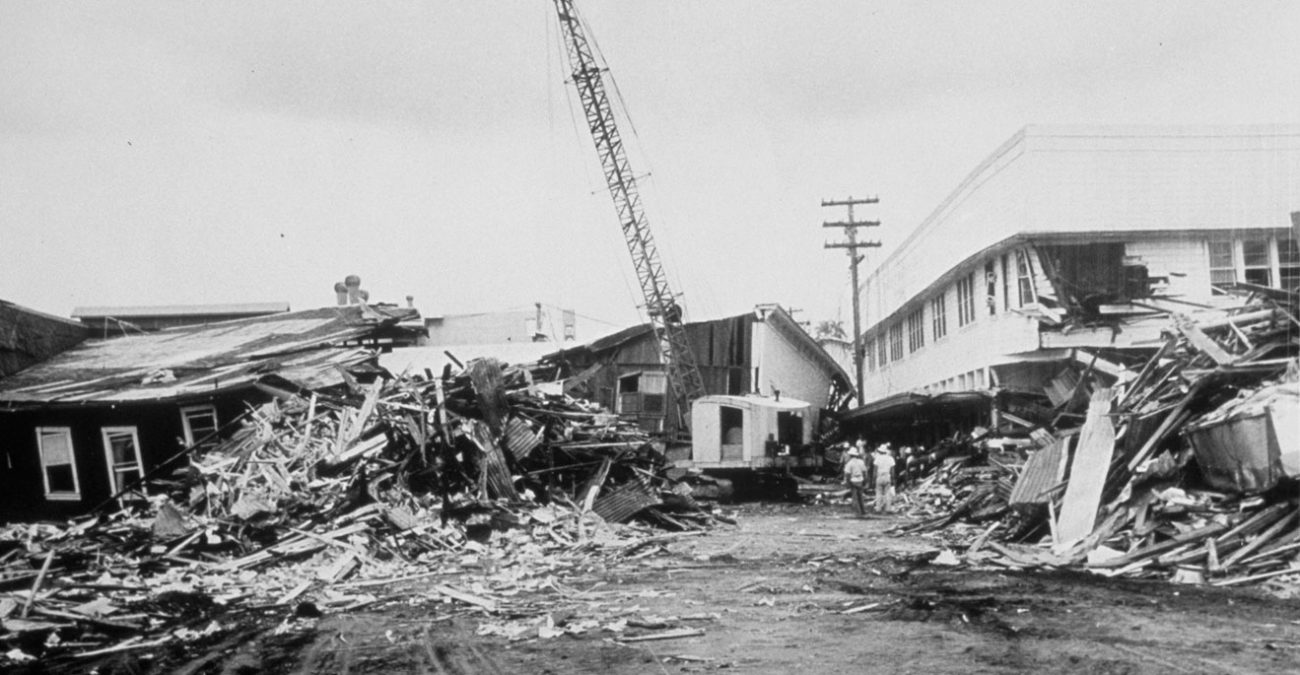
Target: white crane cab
{"type": "Point", "coordinates": [749, 432]}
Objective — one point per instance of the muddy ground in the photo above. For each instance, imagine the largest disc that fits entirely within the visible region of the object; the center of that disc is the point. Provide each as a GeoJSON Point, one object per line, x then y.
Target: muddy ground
{"type": "Point", "coordinates": [790, 588]}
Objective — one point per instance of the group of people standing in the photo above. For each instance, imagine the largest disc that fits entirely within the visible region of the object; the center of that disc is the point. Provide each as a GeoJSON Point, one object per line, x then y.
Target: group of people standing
{"type": "Point", "coordinates": [856, 473]}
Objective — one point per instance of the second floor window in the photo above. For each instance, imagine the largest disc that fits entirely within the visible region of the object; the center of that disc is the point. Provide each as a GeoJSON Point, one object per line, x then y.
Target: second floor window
{"type": "Point", "coordinates": [938, 316]}
{"type": "Point", "coordinates": [966, 300]}
{"type": "Point", "coordinates": [916, 330]}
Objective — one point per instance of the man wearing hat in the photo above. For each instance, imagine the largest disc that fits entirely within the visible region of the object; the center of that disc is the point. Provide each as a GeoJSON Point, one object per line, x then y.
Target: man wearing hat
{"type": "Point", "coordinates": [883, 462]}
{"type": "Point", "coordinates": [855, 475]}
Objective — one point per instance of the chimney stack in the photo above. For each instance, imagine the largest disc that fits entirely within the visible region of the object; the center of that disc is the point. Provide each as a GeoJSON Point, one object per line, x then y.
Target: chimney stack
{"type": "Point", "coordinates": [353, 284]}
{"type": "Point", "coordinates": [341, 293]}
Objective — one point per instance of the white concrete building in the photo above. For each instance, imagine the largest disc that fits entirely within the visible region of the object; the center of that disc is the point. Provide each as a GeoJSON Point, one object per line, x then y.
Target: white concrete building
{"type": "Point", "coordinates": [1064, 230]}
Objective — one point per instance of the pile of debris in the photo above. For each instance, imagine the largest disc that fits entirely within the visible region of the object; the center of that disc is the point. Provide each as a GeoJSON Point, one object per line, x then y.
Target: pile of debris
{"type": "Point", "coordinates": [318, 501]}
{"type": "Point", "coordinates": [1185, 464]}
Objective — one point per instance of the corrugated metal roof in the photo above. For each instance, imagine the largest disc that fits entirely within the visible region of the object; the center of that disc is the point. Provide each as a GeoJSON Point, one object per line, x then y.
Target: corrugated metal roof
{"type": "Point", "coordinates": [202, 359]}
{"type": "Point", "coordinates": [1042, 472]}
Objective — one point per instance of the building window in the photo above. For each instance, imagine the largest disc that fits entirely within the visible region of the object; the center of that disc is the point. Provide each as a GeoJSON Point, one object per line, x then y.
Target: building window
{"type": "Point", "coordinates": [1222, 268]}
{"type": "Point", "coordinates": [200, 422]}
{"type": "Point", "coordinates": [882, 347]}
{"type": "Point", "coordinates": [122, 454]}
{"type": "Point", "coordinates": [1288, 264]}
{"type": "Point", "coordinates": [966, 300]}
{"type": "Point", "coordinates": [916, 330]}
{"type": "Point", "coordinates": [642, 393]}
{"type": "Point", "coordinates": [1025, 279]}
{"type": "Point", "coordinates": [1006, 282]}
{"type": "Point", "coordinates": [1255, 259]}
{"type": "Point", "coordinates": [58, 463]}
{"type": "Point", "coordinates": [870, 350]}
{"type": "Point", "coordinates": [938, 316]}
{"type": "Point", "coordinates": [896, 342]}
{"type": "Point", "coordinates": [991, 286]}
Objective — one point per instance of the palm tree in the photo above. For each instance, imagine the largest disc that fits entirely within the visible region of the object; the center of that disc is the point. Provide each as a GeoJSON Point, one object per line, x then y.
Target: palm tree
{"type": "Point", "coordinates": [830, 329]}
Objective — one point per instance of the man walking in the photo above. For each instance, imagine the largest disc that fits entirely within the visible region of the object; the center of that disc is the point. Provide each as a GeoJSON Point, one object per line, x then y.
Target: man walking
{"type": "Point", "coordinates": [855, 475]}
{"type": "Point", "coordinates": [884, 465]}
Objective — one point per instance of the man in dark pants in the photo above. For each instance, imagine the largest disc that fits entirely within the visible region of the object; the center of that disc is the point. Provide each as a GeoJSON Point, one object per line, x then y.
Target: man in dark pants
{"type": "Point", "coordinates": [855, 475]}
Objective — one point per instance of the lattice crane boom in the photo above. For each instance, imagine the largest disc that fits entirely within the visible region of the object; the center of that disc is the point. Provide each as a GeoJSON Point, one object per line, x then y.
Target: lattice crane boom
{"type": "Point", "coordinates": [661, 305]}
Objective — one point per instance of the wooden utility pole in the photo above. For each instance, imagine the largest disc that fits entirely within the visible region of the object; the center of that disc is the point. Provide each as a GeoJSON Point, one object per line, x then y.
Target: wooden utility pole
{"type": "Point", "coordinates": [852, 245]}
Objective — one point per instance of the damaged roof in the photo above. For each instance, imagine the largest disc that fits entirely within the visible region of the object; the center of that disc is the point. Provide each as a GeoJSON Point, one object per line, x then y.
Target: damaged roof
{"type": "Point", "coordinates": [305, 347]}
{"type": "Point", "coordinates": [772, 315]}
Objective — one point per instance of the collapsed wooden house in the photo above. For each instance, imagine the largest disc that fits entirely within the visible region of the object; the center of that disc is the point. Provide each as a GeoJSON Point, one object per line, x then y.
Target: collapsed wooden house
{"type": "Point", "coordinates": [78, 429]}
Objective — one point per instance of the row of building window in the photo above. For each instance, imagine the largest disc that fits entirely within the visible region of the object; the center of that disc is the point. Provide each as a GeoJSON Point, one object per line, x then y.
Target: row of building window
{"type": "Point", "coordinates": [121, 453]}
{"type": "Point", "coordinates": [1263, 262]}
{"type": "Point", "coordinates": [880, 352]}
{"type": "Point", "coordinates": [1266, 262]}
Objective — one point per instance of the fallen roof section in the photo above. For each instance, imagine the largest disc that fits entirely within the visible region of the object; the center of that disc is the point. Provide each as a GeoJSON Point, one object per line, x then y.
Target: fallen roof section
{"type": "Point", "coordinates": [197, 360]}
{"type": "Point", "coordinates": [138, 311]}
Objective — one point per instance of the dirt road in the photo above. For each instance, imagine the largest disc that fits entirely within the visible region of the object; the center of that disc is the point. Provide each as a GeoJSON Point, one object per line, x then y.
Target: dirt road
{"type": "Point", "coordinates": [791, 588]}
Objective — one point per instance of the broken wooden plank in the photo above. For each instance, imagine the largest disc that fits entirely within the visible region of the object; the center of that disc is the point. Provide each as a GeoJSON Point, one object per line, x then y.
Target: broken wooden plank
{"type": "Point", "coordinates": [1203, 342]}
{"type": "Point", "coordinates": [1154, 549]}
{"type": "Point", "coordinates": [666, 635]}
{"type": "Point", "coordinates": [1088, 471]}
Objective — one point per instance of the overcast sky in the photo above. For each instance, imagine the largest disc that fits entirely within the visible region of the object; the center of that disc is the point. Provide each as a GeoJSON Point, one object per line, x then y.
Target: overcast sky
{"type": "Point", "coordinates": [185, 153]}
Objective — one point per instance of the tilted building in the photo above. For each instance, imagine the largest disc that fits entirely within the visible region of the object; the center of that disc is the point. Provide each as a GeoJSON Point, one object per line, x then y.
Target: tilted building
{"type": "Point", "coordinates": [1075, 237]}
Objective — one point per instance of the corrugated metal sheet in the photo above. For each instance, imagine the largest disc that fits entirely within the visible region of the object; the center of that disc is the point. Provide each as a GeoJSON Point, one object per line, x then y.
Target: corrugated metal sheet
{"type": "Point", "coordinates": [625, 501]}
{"type": "Point", "coordinates": [521, 439]}
{"type": "Point", "coordinates": [1042, 472]}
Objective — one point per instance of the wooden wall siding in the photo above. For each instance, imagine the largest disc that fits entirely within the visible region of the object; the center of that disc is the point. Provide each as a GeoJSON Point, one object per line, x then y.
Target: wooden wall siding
{"type": "Point", "coordinates": [159, 429]}
{"type": "Point", "coordinates": [1187, 256]}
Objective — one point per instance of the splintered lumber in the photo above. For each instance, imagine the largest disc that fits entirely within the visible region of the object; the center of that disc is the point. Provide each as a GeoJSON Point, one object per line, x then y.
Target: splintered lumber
{"type": "Point", "coordinates": [36, 587]}
{"type": "Point", "coordinates": [1088, 471]}
{"type": "Point", "coordinates": [1203, 342]}
{"type": "Point", "coordinates": [1263, 538]}
{"type": "Point", "coordinates": [1150, 551]}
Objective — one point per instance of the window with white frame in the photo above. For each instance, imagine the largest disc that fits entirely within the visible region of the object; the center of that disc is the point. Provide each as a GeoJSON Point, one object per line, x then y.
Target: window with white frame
{"type": "Point", "coordinates": [122, 455]}
{"type": "Point", "coordinates": [916, 330]}
{"type": "Point", "coordinates": [1256, 262]}
{"type": "Point", "coordinates": [966, 300]}
{"type": "Point", "coordinates": [882, 351]}
{"type": "Point", "coordinates": [58, 463]}
{"type": "Point", "coordinates": [870, 351]}
{"type": "Point", "coordinates": [938, 317]}
{"type": "Point", "coordinates": [896, 342]}
{"type": "Point", "coordinates": [1288, 264]}
{"type": "Point", "coordinates": [991, 286]}
{"type": "Point", "coordinates": [200, 423]}
{"type": "Point", "coordinates": [1222, 268]}
{"type": "Point", "coordinates": [1024, 278]}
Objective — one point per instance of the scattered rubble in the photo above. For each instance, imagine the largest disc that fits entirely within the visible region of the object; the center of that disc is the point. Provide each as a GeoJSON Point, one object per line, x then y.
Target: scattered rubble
{"type": "Point", "coordinates": [330, 503]}
{"type": "Point", "coordinates": [1180, 466]}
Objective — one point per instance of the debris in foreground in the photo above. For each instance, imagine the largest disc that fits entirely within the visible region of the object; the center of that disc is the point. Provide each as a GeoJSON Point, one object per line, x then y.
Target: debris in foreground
{"type": "Point", "coordinates": [1184, 466]}
{"type": "Point", "coordinates": [324, 503]}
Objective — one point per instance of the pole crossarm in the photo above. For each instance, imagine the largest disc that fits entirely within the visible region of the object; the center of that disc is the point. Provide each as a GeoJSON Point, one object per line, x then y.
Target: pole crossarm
{"type": "Point", "coordinates": [858, 223]}
{"type": "Point", "coordinates": [850, 201]}
{"type": "Point", "coordinates": [853, 244]}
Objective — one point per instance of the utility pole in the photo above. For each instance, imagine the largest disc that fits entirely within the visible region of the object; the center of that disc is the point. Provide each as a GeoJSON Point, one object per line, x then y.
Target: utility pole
{"type": "Point", "coordinates": [852, 245]}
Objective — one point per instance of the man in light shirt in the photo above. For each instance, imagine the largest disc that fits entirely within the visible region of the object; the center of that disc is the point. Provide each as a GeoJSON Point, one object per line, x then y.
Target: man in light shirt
{"type": "Point", "coordinates": [855, 475]}
{"type": "Point", "coordinates": [884, 465]}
